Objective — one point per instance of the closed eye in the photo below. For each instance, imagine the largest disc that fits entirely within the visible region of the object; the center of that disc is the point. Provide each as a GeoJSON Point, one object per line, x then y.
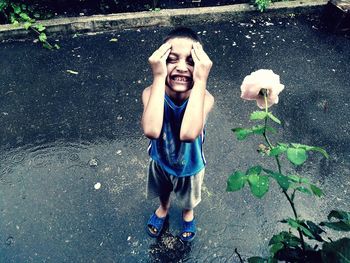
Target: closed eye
{"type": "Point", "coordinates": [171, 60]}
{"type": "Point", "coordinates": [190, 61]}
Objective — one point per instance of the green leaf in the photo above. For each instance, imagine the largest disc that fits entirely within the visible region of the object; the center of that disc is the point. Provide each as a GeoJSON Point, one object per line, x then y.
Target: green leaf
{"type": "Point", "coordinates": [303, 190]}
{"type": "Point", "coordinates": [256, 260]}
{"type": "Point", "coordinates": [236, 181]}
{"type": "Point", "coordinates": [315, 190]}
{"type": "Point", "coordinates": [242, 133]}
{"type": "Point", "coordinates": [280, 148]}
{"type": "Point", "coordinates": [318, 149]}
{"type": "Point", "coordinates": [297, 224]}
{"type": "Point", "coordinates": [294, 178]}
{"type": "Point", "coordinates": [27, 25]}
{"type": "Point", "coordinates": [47, 45]}
{"type": "Point", "coordinates": [274, 118]}
{"type": "Point", "coordinates": [258, 115]}
{"type": "Point", "coordinates": [42, 37]}
{"type": "Point", "coordinates": [3, 5]}
{"type": "Point", "coordinates": [337, 251]}
{"type": "Point", "coordinates": [259, 185]}
{"type": "Point", "coordinates": [16, 8]}
{"type": "Point", "coordinates": [40, 27]}
{"type": "Point", "coordinates": [296, 155]}
{"type": "Point", "coordinates": [57, 46]}
{"type": "Point", "coordinates": [13, 19]}
{"type": "Point", "coordinates": [285, 237]}
{"type": "Point", "coordinates": [276, 247]}
{"type": "Point", "coordinates": [25, 17]}
{"type": "Point", "coordinates": [282, 180]}
{"type": "Point", "coordinates": [310, 148]}
{"type": "Point", "coordinates": [254, 170]}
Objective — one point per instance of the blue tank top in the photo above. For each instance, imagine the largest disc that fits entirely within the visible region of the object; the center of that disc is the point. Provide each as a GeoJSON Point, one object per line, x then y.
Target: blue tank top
{"type": "Point", "coordinates": [176, 157]}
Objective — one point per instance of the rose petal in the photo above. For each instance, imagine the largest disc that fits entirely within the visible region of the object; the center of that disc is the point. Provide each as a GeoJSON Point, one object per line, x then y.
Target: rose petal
{"type": "Point", "coordinates": [261, 79]}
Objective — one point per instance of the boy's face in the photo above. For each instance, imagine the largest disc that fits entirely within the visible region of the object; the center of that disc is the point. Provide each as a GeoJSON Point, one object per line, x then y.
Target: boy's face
{"type": "Point", "coordinates": [180, 65]}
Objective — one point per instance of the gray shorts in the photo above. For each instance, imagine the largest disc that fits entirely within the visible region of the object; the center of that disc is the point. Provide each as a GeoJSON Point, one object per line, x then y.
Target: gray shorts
{"type": "Point", "coordinates": [187, 188]}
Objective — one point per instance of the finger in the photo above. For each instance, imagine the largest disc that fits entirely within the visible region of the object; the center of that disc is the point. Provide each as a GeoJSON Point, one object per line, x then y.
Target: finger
{"type": "Point", "coordinates": [200, 52]}
{"type": "Point", "coordinates": [194, 56]}
{"type": "Point", "coordinates": [166, 55]}
{"type": "Point", "coordinates": [163, 49]}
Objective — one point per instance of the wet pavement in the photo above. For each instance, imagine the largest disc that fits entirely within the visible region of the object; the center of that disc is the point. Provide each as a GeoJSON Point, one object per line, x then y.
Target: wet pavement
{"type": "Point", "coordinates": [73, 158]}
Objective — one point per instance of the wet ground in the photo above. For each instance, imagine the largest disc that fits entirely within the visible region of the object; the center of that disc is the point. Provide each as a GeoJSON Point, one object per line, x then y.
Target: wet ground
{"type": "Point", "coordinates": [73, 157]}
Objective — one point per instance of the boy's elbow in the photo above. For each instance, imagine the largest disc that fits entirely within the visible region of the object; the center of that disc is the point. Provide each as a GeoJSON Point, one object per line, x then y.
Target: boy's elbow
{"type": "Point", "coordinates": [188, 136]}
{"type": "Point", "coordinates": [151, 133]}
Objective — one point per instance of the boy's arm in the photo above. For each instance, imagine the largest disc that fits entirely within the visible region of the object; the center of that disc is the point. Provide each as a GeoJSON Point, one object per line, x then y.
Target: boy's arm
{"type": "Point", "coordinates": [153, 96]}
{"type": "Point", "coordinates": [200, 101]}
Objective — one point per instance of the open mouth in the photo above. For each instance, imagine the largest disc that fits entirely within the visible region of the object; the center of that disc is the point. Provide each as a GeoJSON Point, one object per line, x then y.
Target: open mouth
{"type": "Point", "coordinates": [181, 79]}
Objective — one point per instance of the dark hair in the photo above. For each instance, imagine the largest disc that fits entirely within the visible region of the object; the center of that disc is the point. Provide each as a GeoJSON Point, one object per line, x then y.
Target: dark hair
{"type": "Point", "coordinates": [184, 32]}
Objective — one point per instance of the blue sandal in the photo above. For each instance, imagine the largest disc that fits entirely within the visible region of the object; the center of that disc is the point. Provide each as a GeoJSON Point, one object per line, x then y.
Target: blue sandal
{"type": "Point", "coordinates": [188, 227]}
{"type": "Point", "coordinates": [156, 223]}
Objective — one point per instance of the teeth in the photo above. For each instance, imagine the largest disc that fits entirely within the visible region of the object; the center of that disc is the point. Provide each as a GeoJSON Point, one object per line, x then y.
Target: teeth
{"type": "Point", "coordinates": [183, 79]}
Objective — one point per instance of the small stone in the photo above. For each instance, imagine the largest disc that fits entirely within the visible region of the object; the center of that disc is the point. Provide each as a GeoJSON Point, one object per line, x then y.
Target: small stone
{"type": "Point", "coordinates": [97, 186]}
{"type": "Point", "coordinates": [93, 163]}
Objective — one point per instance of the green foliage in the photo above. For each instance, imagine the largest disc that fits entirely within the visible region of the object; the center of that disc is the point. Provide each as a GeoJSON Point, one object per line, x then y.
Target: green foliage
{"type": "Point", "coordinates": [19, 13]}
{"type": "Point", "coordinates": [262, 4]}
{"type": "Point", "coordinates": [343, 222]}
{"type": "Point", "coordinates": [261, 115]}
{"type": "Point", "coordinates": [259, 184]}
{"type": "Point", "coordinates": [296, 156]}
{"type": "Point", "coordinates": [286, 246]}
{"type": "Point", "coordinates": [243, 133]}
{"type": "Point", "coordinates": [236, 181]}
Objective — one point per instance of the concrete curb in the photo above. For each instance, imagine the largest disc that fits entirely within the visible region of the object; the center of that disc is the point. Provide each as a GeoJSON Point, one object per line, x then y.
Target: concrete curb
{"type": "Point", "coordinates": [166, 17]}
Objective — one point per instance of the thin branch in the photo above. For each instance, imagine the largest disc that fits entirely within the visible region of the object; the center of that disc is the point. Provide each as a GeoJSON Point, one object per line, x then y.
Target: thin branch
{"type": "Point", "coordinates": [239, 256]}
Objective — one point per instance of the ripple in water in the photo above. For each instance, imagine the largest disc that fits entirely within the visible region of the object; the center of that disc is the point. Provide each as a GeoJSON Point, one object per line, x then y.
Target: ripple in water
{"type": "Point", "coordinates": [55, 154]}
{"type": "Point", "coordinates": [15, 162]}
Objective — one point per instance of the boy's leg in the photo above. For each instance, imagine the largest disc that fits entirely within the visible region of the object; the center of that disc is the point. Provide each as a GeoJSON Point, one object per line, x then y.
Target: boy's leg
{"type": "Point", "coordinates": [188, 190]}
{"type": "Point", "coordinates": [188, 216]}
{"type": "Point", "coordinates": [162, 210]}
{"type": "Point", "coordinates": [158, 185]}
{"type": "Point", "coordinates": [164, 206]}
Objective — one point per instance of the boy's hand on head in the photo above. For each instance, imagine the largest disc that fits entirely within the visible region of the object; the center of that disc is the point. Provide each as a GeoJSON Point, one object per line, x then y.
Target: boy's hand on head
{"type": "Point", "coordinates": [158, 60]}
{"type": "Point", "coordinates": [202, 63]}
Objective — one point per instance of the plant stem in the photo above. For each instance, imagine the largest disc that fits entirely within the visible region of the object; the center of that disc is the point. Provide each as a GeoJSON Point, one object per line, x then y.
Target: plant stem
{"type": "Point", "coordinates": [264, 91]}
{"type": "Point", "coordinates": [239, 256]}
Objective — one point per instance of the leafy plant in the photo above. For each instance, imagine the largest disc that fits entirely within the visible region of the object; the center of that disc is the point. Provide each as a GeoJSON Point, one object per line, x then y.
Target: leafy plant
{"type": "Point", "coordinates": [286, 246]}
{"type": "Point", "coordinates": [19, 14]}
{"type": "Point", "coordinates": [262, 4]}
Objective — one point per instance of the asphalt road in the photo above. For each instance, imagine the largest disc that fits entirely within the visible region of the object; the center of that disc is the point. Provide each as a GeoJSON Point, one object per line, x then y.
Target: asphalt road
{"type": "Point", "coordinates": [70, 122]}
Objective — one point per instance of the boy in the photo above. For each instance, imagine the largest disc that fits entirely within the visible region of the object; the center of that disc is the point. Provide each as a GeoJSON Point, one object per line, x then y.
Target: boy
{"type": "Point", "coordinates": [176, 106]}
